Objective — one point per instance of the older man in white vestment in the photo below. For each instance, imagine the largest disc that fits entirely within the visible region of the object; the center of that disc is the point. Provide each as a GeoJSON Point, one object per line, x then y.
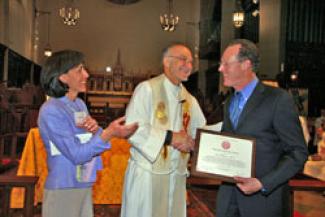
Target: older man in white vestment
{"type": "Point", "coordinates": [168, 116]}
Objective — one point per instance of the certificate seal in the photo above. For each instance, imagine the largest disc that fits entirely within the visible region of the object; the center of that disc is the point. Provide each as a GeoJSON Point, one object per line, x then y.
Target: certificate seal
{"type": "Point", "coordinates": [225, 145]}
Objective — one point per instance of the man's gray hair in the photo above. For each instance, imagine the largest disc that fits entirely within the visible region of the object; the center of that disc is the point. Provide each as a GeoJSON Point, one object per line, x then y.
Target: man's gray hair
{"type": "Point", "coordinates": [248, 51]}
{"type": "Point", "coordinates": [166, 50]}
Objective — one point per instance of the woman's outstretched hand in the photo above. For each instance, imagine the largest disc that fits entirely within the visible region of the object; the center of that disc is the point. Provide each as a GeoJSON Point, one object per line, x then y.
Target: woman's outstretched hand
{"type": "Point", "coordinates": [118, 128]}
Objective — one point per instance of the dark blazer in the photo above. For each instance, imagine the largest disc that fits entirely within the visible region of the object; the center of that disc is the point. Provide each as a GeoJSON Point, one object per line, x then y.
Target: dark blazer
{"type": "Point", "coordinates": [269, 116]}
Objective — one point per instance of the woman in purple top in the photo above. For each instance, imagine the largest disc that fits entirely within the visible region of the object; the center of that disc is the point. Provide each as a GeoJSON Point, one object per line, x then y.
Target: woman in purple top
{"type": "Point", "coordinates": [72, 138]}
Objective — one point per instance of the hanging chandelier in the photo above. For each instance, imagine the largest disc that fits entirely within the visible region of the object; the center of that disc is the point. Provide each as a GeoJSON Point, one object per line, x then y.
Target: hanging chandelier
{"type": "Point", "coordinates": [168, 21]}
{"type": "Point", "coordinates": [69, 14]}
{"type": "Point", "coordinates": [48, 49]}
{"type": "Point", "coordinates": [238, 16]}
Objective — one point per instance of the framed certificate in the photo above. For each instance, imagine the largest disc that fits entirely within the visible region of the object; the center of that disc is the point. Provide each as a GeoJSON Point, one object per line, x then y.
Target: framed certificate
{"type": "Point", "coordinates": [223, 156]}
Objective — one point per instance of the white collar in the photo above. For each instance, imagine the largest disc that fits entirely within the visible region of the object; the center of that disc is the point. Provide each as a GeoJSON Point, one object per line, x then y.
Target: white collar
{"type": "Point", "coordinates": [172, 89]}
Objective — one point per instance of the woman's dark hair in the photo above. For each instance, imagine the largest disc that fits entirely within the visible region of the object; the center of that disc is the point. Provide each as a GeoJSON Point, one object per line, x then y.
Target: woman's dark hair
{"type": "Point", "coordinates": [57, 64]}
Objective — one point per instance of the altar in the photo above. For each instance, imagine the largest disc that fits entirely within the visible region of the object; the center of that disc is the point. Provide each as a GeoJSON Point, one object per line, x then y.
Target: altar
{"type": "Point", "coordinates": [315, 169]}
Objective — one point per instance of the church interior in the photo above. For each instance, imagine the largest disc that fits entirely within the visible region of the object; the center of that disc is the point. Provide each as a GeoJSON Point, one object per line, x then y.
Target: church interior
{"type": "Point", "coordinates": [123, 41]}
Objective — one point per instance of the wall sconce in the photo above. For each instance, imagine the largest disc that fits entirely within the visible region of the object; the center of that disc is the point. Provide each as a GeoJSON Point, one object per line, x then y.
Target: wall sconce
{"type": "Point", "coordinates": [255, 13]}
{"type": "Point", "coordinates": [238, 16]}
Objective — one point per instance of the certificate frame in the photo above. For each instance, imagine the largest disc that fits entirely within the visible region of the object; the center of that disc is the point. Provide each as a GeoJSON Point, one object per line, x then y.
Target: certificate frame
{"type": "Point", "coordinates": [225, 143]}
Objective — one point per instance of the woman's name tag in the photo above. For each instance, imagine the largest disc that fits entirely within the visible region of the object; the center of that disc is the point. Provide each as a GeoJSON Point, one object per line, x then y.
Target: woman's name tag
{"type": "Point", "coordinates": [79, 117]}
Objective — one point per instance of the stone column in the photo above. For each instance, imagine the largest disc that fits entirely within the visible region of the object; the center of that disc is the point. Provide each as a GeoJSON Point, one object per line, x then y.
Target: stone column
{"type": "Point", "coordinates": [271, 37]}
{"type": "Point", "coordinates": [227, 31]}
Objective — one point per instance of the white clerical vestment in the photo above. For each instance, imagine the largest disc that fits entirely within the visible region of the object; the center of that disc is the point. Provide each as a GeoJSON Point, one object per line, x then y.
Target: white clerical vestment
{"type": "Point", "coordinates": [155, 179]}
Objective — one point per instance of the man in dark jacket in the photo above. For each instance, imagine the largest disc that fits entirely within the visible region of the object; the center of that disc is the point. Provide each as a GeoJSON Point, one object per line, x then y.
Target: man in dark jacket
{"type": "Point", "coordinates": [267, 114]}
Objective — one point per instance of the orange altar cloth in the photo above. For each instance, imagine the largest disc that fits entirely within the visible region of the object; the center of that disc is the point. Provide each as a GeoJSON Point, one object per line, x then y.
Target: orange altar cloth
{"type": "Point", "coordinates": [108, 187]}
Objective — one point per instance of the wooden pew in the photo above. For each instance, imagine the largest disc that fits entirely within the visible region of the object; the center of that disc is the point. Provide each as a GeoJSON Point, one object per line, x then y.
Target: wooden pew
{"type": "Point", "coordinates": [302, 182]}
{"type": "Point", "coordinates": [8, 146]}
{"type": "Point", "coordinates": [7, 182]}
